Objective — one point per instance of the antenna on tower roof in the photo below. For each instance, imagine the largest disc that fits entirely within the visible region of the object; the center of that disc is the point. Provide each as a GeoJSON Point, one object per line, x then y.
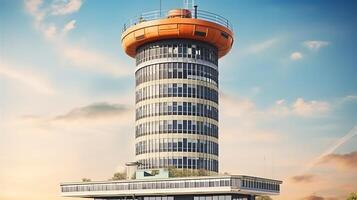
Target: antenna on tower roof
{"type": "Point", "coordinates": [160, 8]}
{"type": "Point", "coordinates": [188, 4]}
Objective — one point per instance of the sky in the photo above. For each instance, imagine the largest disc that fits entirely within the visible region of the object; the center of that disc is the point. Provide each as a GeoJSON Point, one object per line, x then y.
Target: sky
{"type": "Point", "coordinates": [288, 94]}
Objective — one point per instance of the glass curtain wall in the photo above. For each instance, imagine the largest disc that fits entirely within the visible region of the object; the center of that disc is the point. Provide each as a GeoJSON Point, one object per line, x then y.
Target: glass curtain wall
{"type": "Point", "coordinates": [177, 105]}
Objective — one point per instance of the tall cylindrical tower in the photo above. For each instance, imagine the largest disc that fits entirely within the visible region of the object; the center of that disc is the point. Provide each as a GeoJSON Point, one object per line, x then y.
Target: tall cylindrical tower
{"type": "Point", "coordinates": [177, 86]}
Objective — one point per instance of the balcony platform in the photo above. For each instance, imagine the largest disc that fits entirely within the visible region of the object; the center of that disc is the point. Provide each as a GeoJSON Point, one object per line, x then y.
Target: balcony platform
{"type": "Point", "coordinates": [174, 24]}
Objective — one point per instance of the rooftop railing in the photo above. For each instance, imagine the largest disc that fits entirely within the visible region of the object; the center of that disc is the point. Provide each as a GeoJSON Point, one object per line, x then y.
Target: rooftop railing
{"type": "Point", "coordinates": [248, 183]}
{"type": "Point", "coordinates": [162, 14]}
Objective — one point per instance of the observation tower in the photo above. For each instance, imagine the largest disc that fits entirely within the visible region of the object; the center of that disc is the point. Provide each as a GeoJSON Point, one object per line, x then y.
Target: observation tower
{"type": "Point", "coordinates": [177, 87]}
{"type": "Point", "coordinates": [176, 125]}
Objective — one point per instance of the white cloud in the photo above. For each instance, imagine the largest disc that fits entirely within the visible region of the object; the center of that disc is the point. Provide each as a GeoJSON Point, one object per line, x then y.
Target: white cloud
{"type": "Point", "coordinates": [241, 123]}
{"type": "Point", "coordinates": [280, 102]}
{"type": "Point", "coordinates": [299, 107]}
{"type": "Point", "coordinates": [28, 79]}
{"type": "Point", "coordinates": [296, 56]}
{"type": "Point", "coordinates": [76, 55]}
{"type": "Point", "coordinates": [239, 107]}
{"type": "Point", "coordinates": [315, 44]}
{"type": "Point", "coordinates": [236, 106]}
{"type": "Point", "coordinates": [243, 113]}
{"type": "Point", "coordinates": [66, 7]}
{"type": "Point", "coordinates": [308, 108]}
{"type": "Point", "coordinates": [92, 60]}
{"type": "Point", "coordinates": [262, 46]}
{"type": "Point", "coordinates": [69, 26]}
{"type": "Point", "coordinates": [50, 31]}
{"type": "Point", "coordinates": [349, 98]}
{"type": "Point", "coordinates": [32, 6]}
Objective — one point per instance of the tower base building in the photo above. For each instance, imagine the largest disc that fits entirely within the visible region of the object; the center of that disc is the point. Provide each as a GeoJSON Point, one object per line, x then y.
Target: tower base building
{"type": "Point", "coordinates": [176, 125]}
{"type": "Point", "coordinates": [233, 187]}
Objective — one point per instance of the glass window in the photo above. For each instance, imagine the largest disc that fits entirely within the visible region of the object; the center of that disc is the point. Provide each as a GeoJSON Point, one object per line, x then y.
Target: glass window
{"type": "Point", "coordinates": [175, 50]}
{"type": "Point", "coordinates": [179, 70]}
{"type": "Point", "coordinates": [180, 50]}
{"type": "Point", "coordinates": [228, 197]}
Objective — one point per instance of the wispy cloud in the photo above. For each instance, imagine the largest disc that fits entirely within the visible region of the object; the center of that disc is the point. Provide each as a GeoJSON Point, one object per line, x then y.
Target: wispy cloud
{"type": "Point", "coordinates": [314, 197]}
{"type": "Point", "coordinates": [330, 150]}
{"type": "Point", "coordinates": [306, 178]}
{"type": "Point", "coordinates": [93, 60]}
{"type": "Point", "coordinates": [345, 161]}
{"type": "Point", "coordinates": [50, 31]}
{"type": "Point", "coordinates": [95, 111]}
{"type": "Point", "coordinates": [236, 106]}
{"type": "Point", "coordinates": [76, 55]}
{"type": "Point", "coordinates": [262, 46]}
{"type": "Point", "coordinates": [69, 26]}
{"type": "Point", "coordinates": [89, 118]}
{"type": "Point", "coordinates": [315, 44]}
{"type": "Point", "coordinates": [308, 108]}
{"type": "Point", "coordinates": [243, 113]}
{"type": "Point", "coordinates": [33, 7]}
{"type": "Point", "coordinates": [350, 98]}
{"type": "Point", "coordinates": [239, 106]}
{"type": "Point", "coordinates": [300, 107]}
{"type": "Point", "coordinates": [296, 56]}
{"type": "Point", "coordinates": [66, 7]}
{"type": "Point", "coordinates": [28, 79]}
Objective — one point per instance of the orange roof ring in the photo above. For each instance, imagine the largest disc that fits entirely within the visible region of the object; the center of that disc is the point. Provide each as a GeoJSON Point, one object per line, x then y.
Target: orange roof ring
{"type": "Point", "coordinates": [178, 23]}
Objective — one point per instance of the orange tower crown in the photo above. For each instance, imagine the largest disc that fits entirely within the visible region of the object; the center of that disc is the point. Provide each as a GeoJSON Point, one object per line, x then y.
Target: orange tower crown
{"type": "Point", "coordinates": [178, 23]}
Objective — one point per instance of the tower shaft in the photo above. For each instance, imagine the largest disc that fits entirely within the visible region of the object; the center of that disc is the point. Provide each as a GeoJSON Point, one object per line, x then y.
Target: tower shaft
{"type": "Point", "coordinates": [177, 105]}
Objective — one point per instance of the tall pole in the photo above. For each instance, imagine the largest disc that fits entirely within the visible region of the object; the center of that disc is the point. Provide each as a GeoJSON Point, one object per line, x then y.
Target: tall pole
{"type": "Point", "coordinates": [160, 9]}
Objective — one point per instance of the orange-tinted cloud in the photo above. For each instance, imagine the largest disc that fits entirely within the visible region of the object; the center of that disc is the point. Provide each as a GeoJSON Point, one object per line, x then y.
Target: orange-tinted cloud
{"type": "Point", "coordinates": [305, 178]}
{"type": "Point", "coordinates": [345, 161]}
{"type": "Point", "coordinates": [96, 110]}
{"type": "Point", "coordinates": [314, 197]}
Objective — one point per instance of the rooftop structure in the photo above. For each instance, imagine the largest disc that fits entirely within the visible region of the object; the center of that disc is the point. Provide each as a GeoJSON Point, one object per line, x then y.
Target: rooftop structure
{"type": "Point", "coordinates": [235, 185]}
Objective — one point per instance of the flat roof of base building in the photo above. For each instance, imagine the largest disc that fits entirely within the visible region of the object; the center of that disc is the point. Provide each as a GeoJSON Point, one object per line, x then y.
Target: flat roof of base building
{"type": "Point", "coordinates": [231, 184]}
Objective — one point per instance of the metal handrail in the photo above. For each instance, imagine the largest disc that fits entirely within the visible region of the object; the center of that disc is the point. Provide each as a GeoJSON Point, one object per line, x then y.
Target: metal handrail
{"type": "Point", "coordinates": [162, 14]}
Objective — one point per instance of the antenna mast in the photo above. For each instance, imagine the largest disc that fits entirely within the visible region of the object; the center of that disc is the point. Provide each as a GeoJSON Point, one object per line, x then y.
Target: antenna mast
{"type": "Point", "coordinates": [188, 4]}
{"type": "Point", "coordinates": [160, 8]}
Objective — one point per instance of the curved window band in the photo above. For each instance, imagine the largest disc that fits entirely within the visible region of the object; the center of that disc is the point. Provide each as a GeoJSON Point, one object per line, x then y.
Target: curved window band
{"type": "Point", "coordinates": [176, 145]}
{"type": "Point", "coordinates": [177, 49]}
{"type": "Point", "coordinates": [176, 126]}
{"type": "Point", "coordinates": [176, 90]}
{"type": "Point", "coordinates": [176, 70]}
{"type": "Point", "coordinates": [180, 162]}
{"type": "Point", "coordinates": [176, 108]}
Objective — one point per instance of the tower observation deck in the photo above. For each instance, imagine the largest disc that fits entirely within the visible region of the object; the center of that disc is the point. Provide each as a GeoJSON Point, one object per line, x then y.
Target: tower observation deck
{"type": "Point", "coordinates": [177, 54]}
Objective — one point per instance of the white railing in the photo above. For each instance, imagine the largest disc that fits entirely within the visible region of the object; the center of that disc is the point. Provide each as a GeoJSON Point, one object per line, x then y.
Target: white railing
{"type": "Point", "coordinates": [161, 14]}
{"type": "Point", "coordinates": [248, 184]}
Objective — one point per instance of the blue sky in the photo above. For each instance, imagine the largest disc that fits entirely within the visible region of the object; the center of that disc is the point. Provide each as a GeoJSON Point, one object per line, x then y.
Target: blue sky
{"type": "Point", "coordinates": [288, 92]}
